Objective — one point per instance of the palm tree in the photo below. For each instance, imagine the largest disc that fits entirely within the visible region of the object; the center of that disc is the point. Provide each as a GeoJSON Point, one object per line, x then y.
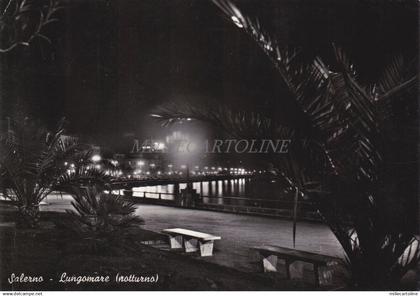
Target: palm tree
{"type": "Point", "coordinates": [343, 156]}
{"type": "Point", "coordinates": [22, 22]}
{"type": "Point", "coordinates": [101, 221]}
{"type": "Point", "coordinates": [31, 166]}
{"type": "Point", "coordinates": [97, 211]}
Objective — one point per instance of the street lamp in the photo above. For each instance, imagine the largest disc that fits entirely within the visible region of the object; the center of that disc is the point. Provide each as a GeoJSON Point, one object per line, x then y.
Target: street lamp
{"type": "Point", "coordinates": [96, 158]}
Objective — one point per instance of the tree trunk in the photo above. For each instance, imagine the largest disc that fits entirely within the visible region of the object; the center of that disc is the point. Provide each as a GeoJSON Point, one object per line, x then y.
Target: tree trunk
{"type": "Point", "coordinates": [28, 216]}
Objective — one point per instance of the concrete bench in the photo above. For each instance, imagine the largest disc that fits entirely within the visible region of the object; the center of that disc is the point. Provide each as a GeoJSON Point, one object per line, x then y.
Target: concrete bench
{"type": "Point", "coordinates": [271, 254]}
{"type": "Point", "coordinates": [191, 241]}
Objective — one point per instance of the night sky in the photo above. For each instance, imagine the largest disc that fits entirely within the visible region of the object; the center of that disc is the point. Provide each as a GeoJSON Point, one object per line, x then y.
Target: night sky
{"type": "Point", "coordinates": [113, 62]}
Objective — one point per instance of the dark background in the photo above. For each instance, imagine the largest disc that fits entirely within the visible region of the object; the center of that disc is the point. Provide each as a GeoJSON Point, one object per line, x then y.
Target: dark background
{"type": "Point", "coordinates": [112, 62]}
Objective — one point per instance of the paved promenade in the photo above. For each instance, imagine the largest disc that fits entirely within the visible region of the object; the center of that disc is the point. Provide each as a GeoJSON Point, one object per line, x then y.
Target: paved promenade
{"type": "Point", "coordinates": [238, 232]}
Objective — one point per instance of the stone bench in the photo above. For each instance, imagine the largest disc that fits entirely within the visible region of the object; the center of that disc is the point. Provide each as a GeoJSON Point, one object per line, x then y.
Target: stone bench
{"type": "Point", "coordinates": [271, 254]}
{"type": "Point", "coordinates": [191, 241]}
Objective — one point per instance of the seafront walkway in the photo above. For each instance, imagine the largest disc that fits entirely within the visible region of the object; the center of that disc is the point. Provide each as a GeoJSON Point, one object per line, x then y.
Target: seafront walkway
{"type": "Point", "coordinates": [239, 232]}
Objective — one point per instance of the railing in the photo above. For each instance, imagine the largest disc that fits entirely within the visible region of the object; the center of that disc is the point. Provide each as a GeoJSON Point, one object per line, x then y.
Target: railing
{"type": "Point", "coordinates": [259, 202]}
{"type": "Point", "coordinates": [124, 182]}
{"type": "Point", "coordinates": [250, 202]}
{"type": "Point", "coordinates": [183, 177]}
{"type": "Point", "coordinates": [159, 194]}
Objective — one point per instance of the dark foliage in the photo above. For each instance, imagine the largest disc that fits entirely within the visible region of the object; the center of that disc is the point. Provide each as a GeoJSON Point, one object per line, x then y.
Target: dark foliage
{"type": "Point", "coordinates": [343, 154]}
{"type": "Point", "coordinates": [101, 220]}
{"type": "Point", "coordinates": [22, 22]}
{"type": "Point", "coordinates": [32, 166]}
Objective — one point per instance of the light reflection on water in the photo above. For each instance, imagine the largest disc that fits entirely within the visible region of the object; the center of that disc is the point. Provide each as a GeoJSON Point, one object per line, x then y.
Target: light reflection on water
{"type": "Point", "coordinates": [239, 192]}
{"type": "Point", "coordinates": [227, 192]}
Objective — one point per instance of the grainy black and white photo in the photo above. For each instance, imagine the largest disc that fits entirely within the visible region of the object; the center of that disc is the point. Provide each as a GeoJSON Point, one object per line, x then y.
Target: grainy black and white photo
{"type": "Point", "coordinates": [209, 145]}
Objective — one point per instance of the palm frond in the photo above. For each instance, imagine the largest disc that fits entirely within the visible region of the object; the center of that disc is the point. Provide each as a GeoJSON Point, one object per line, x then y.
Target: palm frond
{"type": "Point", "coordinates": [81, 176]}
{"type": "Point", "coordinates": [35, 14]}
{"type": "Point", "coordinates": [346, 144]}
{"type": "Point", "coordinates": [397, 77]}
{"type": "Point", "coordinates": [97, 212]}
{"type": "Point", "coordinates": [236, 123]}
{"type": "Point", "coordinates": [31, 160]}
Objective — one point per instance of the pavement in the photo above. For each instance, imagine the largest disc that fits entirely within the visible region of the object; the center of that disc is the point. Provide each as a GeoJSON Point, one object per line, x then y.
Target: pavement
{"type": "Point", "coordinates": [239, 232]}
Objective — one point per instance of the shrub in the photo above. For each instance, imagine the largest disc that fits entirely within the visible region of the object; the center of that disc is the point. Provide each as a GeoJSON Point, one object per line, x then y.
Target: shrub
{"type": "Point", "coordinates": [101, 220]}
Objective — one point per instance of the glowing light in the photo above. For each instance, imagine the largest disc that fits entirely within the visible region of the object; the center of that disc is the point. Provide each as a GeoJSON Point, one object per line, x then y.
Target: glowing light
{"type": "Point", "coordinates": [159, 145]}
{"type": "Point", "coordinates": [140, 163]}
{"type": "Point", "coordinates": [96, 158]}
{"type": "Point", "coordinates": [183, 166]}
{"type": "Point", "coordinates": [65, 163]}
{"type": "Point", "coordinates": [152, 165]}
{"type": "Point", "coordinates": [237, 22]}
